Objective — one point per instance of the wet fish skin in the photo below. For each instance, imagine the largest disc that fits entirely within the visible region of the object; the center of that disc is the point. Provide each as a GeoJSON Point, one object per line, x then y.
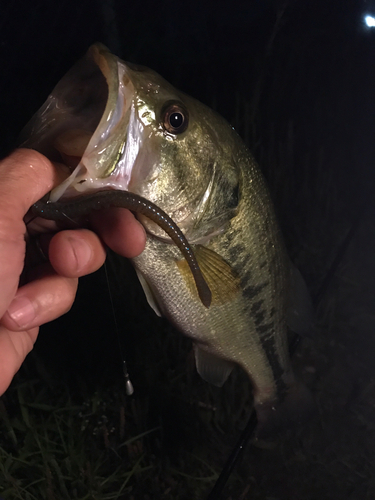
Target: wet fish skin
{"type": "Point", "coordinates": [206, 180]}
{"type": "Point", "coordinates": [250, 327]}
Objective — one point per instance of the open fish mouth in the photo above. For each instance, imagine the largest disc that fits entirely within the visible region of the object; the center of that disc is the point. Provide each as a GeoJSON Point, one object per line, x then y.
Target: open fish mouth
{"type": "Point", "coordinates": [85, 126]}
{"type": "Point", "coordinates": [89, 127]}
{"type": "Point", "coordinates": [97, 127]}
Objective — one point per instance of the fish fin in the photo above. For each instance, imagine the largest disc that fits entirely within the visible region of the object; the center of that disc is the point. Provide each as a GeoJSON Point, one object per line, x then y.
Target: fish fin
{"type": "Point", "coordinates": [149, 293]}
{"type": "Point", "coordinates": [211, 368]}
{"type": "Point", "coordinates": [274, 417]}
{"type": "Point", "coordinates": [300, 313]}
{"type": "Point", "coordinates": [219, 275]}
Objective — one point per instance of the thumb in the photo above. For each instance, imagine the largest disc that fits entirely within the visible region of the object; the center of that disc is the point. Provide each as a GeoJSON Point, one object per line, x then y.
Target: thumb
{"type": "Point", "coordinates": [25, 176]}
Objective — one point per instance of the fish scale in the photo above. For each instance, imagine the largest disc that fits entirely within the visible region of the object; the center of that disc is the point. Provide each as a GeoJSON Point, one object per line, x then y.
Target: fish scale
{"type": "Point", "coordinates": [199, 172]}
{"type": "Point", "coordinates": [229, 330]}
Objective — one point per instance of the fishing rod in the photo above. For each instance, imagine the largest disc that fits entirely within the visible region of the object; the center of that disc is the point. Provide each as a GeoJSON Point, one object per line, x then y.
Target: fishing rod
{"type": "Point", "coordinates": [241, 444]}
{"type": "Point", "coordinates": [248, 431]}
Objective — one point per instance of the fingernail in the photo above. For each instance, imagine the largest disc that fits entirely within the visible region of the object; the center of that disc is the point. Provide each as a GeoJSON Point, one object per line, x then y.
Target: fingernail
{"type": "Point", "coordinates": [22, 311]}
{"type": "Point", "coordinates": [82, 252]}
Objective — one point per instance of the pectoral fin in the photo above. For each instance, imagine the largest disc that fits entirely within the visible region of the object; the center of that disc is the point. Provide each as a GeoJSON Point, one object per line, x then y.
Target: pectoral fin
{"type": "Point", "coordinates": [211, 368]}
{"type": "Point", "coordinates": [219, 275]}
{"type": "Point", "coordinates": [149, 293]}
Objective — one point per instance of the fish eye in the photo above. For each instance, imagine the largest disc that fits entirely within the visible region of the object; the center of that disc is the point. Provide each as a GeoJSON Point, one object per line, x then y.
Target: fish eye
{"type": "Point", "coordinates": [175, 117]}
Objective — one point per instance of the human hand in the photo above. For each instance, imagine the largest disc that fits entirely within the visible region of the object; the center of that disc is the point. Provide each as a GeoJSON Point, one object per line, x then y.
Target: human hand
{"type": "Point", "coordinates": [25, 177]}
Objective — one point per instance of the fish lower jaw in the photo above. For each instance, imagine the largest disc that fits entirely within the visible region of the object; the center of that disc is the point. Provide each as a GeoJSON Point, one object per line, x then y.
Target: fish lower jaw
{"type": "Point", "coordinates": [160, 236]}
{"type": "Point", "coordinates": [77, 185]}
{"type": "Point", "coordinates": [154, 231]}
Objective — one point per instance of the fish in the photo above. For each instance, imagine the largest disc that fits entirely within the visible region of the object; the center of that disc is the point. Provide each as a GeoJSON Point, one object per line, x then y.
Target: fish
{"type": "Point", "coordinates": [119, 127]}
{"type": "Point", "coordinates": [60, 210]}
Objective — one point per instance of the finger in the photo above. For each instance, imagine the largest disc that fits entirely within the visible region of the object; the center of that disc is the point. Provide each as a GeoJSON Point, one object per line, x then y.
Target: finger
{"type": "Point", "coordinates": [25, 177]}
{"type": "Point", "coordinates": [40, 301]}
{"type": "Point", "coordinates": [14, 347]}
{"type": "Point", "coordinates": [75, 253]}
{"type": "Point", "coordinates": [120, 230]}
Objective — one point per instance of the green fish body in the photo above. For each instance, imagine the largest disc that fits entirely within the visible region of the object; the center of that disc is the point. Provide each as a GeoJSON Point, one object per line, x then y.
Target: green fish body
{"type": "Point", "coordinates": [146, 137]}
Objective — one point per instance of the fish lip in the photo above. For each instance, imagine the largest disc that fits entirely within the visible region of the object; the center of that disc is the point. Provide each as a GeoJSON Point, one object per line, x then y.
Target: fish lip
{"type": "Point", "coordinates": [106, 162]}
{"type": "Point", "coordinates": [95, 98]}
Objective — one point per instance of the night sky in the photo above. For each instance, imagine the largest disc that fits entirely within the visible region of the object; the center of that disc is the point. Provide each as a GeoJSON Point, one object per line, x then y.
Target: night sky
{"type": "Point", "coordinates": [306, 52]}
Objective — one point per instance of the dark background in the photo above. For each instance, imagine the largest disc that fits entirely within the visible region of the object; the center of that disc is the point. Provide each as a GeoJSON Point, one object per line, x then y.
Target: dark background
{"type": "Point", "coordinates": [296, 78]}
{"type": "Point", "coordinates": [273, 61]}
{"type": "Point", "coordinates": [273, 68]}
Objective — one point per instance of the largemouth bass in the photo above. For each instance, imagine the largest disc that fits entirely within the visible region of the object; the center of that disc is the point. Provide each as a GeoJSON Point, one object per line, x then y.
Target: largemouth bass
{"type": "Point", "coordinates": [122, 127]}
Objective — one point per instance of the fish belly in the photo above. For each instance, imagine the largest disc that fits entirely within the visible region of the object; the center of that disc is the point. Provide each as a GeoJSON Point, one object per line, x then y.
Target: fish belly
{"type": "Point", "coordinates": [250, 328]}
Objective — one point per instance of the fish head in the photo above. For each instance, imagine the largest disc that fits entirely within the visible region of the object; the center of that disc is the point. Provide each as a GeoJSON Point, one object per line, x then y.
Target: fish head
{"type": "Point", "coordinates": [115, 125]}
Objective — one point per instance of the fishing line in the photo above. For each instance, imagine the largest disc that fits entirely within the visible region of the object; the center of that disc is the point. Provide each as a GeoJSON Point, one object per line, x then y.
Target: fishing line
{"type": "Point", "coordinates": [37, 240]}
{"type": "Point", "coordinates": [128, 385]}
{"type": "Point", "coordinates": [248, 432]}
{"type": "Point", "coordinates": [64, 214]}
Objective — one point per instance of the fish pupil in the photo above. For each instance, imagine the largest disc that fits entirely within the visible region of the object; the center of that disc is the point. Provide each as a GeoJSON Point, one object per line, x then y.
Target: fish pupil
{"type": "Point", "coordinates": [176, 120]}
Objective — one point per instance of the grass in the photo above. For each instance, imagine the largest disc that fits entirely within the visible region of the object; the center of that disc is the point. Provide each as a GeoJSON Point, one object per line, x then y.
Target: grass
{"type": "Point", "coordinates": [55, 448]}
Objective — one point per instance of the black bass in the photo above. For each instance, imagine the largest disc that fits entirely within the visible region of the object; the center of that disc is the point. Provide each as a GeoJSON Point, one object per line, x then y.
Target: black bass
{"type": "Point", "coordinates": [122, 127]}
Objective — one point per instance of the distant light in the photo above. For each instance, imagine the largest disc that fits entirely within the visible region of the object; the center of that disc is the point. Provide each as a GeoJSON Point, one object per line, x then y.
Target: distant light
{"type": "Point", "coordinates": [370, 21]}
